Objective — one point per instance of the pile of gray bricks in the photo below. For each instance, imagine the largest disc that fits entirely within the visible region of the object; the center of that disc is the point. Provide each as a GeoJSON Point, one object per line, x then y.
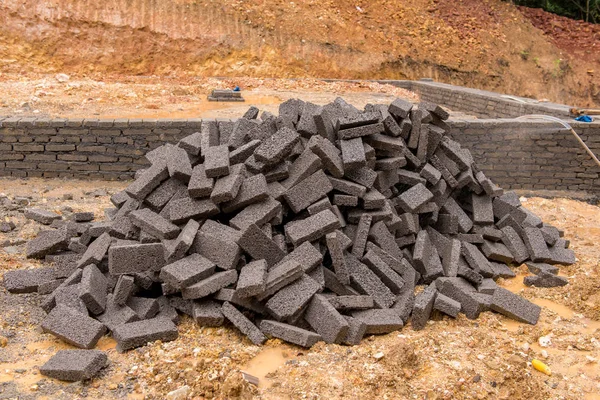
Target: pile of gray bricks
{"type": "Point", "coordinates": [225, 95]}
{"type": "Point", "coordinates": [317, 224]}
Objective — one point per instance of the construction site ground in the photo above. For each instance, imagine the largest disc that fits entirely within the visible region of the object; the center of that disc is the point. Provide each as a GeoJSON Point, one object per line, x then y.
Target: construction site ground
{"type": "Point", "coordinates": [450, 359]}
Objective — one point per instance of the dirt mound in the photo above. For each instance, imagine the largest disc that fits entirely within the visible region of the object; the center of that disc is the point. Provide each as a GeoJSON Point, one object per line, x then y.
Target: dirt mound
{"type": "Point", "coordinates": [485, 44]}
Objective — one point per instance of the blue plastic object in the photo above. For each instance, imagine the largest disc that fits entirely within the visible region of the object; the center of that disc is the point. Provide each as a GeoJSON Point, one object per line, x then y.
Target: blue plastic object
{"type": "Point", "coordinates": [584, 118]}
{"type": "Point", "coordinates": [237, 89]}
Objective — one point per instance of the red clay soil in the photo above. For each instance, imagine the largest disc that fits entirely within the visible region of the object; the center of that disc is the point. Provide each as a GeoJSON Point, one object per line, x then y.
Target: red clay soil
{"type": "Point", "coordinates": [578, 38]}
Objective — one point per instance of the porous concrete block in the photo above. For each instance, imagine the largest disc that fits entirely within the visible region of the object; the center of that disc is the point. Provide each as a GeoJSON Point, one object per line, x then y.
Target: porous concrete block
{"type": "Point", "coordinates": [178, 164]}
{"type": "Point", "coordinates": [356, 331]}
{"type": "Point", "coordinates": [252, 190]}
{"type": "Point", "coordinates": [353, 153]}
{"type": "Point", "coordinates": [462, 291]}
{"type": "Point", "coordinates": [446, 305]}
{"type": "Point", "coordinates": [74, 365]}
{"type": "Point", "coordinates": [139, 333]}
{"type": "Point", "coordinates": [200, 185]}
{"type": "Point", "coordinates": [423, 306]}
{"type": "Point", "coordinates": [318, 206]}
{"type": "Point", "coordinates": [245, 326]}
{"type": "Point", "coordinates": [226, 187]}
{"type": "Point", "coordinates": [177, 248]}
{"type": "Point", "coordinates": [210, 285]}
{"type": "Point", "coordinates": [360, 131]}
{"type": "Point", "coordinates": [186, 208]}
{"type": "Point", "coordinates": [191, 143]}
{"type": "Point", "coordinates": [216, 161]}
{"type": "Point", "coordinates": [149, 180]}
{"type": "Point", "coordinates": [305, 165]}
{"type": "Point", "coordinates": [514, 306]}
{"type": "Point", "coordinates": [162, 194]}
{"type": "Point", "coordinates": [400, 108]}
{"type": "Point", "coordinates": [207, 313]}
{"type": "Point", "coordinates": [48, 242]}
{"type": "Point", "coordinates": [476, 260]}
{"type": "Point", "coordinates": [367, 282]}
{"type": "Point", "coordinates": [537, 268]}
{"type": "Point", "coordinates": [73, 327]}
{"type": "Point", "coordinates": [116, 314]}
{"type": "Point", "coordinates": [352, 302]}
{"type": "Point", "coordinates": [414, 198]}
{"type": "Point", "coordinates": [144, 307]}
{"type": "Point", "coordinates": [187, 271]}
{"type": "Point", "coordinates": [289, 333]}
{"type": "Point", "coordinates": [260, 246]}
{"type": "Point", "coordinates": [257, 213]}
{"type": "Point", "coordinates": [27, 280]}
{"type": "Point", "coordinates": [218, 243]}
{"type": "Point", "coordinates": [291, 299]}
{"type": "Point", "coordinates": [253, 279]}
{"type": "Point", "coordinates": [344, 200]}
{"type": "Point", "coordinates": [124, 289]}
{"type": "Point", "coordinates": [308, 191]}
{"type": "Point", "coordinates": [536, 245]}
{"type": "Point", "coordinates": [152, 223]}
{"type": "Point", "coordinates": [42, 216]}
{"type": "Point", "coordinates": [546, 280]}
{"type": "Point", "coordinates": [306, 255]}
{"type": "Point", "coordinates": [379, 321]}
{"type": "Point", "coordinates": [387, 275]}
{"type": "Point", "coordinates": [131, 259]}
{"type": "Point", "coordinates": [93, 289]}
{"type": "Point", "coordinates": [483, 212]}
{"type": "Point", "coordinates": [347, 187]}
{"type": "Point", "coordinates": [86, 216]}
{"type": "Point", "coordinates": [312, 228]}
{"type": "Point", "coordinates": [329, 154]}
{"type": "Point", "coordinates": [274, 149]}
{"type": "Point", "coordinates": [453, 208]}
{"type": "Point", "coordinates": [326, 320]}
{"type": "Point", "coordinates": [337, 257]}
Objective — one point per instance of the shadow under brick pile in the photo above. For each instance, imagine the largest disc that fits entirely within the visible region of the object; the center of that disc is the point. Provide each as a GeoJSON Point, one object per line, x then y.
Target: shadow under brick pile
{"type": "Point", "coordinates": [314, 225]}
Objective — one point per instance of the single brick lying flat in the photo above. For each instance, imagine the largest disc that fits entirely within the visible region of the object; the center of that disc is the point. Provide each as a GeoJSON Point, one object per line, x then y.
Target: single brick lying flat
{"type": "Point", "coordinates": [245, 326]}
{"type": "Point", "coordinates": [414, 198]}
{"type": "Point", "coordinates": [48, 242]}
{"type": "Point", "coordinates": [289, 333]}
{"type": "Point", "coordinates": [73, 327]}
{"type": "Point", "coordinates": [42, 216]}
{"type": "Point", "coordinates": [546, 280]}
{"type": "Point", "coordinates": [252, 190]}
{"type": "Point", "coordinates": [187, 271]}
{"type": "Point", "coordinates": [27, 280]}
{"type": "Point", "coordinates": [208, 313]}
{"type": "Point", "coordinates": [446, 305]}
{"type": "Point", "coordinates": [514, 306]}
{"type": "Point", "coordinates": [136, 334]}
{"type": "Point", "coordinates": [74, 365]}
{"type": "Point", "coordinates": [149, 180]}
{"type": "Point", "coordinates": [154, 224]}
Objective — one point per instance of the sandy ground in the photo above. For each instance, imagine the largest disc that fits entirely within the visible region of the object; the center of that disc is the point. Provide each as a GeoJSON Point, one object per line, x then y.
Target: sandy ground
{"type": "Point", "coordinates": [158, 97]}
{"type": "Point", "coordinates": [486, 358]}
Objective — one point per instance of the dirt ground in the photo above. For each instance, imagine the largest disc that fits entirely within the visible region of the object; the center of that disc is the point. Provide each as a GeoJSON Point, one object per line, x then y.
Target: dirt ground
{"type": "Point", "coordinates": [486, 358]}
{"type": "Point", "coordinates": [158, 97]}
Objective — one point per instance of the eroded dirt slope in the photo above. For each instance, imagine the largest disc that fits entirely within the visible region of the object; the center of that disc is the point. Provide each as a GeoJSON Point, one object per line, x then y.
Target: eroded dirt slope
{"type": "Point", "coordinates": [487, 44]}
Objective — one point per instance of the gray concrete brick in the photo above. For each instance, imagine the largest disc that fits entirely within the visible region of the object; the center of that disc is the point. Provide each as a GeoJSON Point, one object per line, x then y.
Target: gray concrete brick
{"type": "Point", "coordinates": [73, 327]}
{"type": "Point", "coordinates": [537, 268]}
{"type": "Point", "coordinates": [252, 280]}
{"type": "Point", "coordinates": [306, 255]}
{"type": "Point", "coordinates": [200, 185]}
{"type": "Point", "coordinates": [446, 305]}
{"type": "Point", "coordinates": [326, 320]}
{"type": "Point", "coordinates": [178, 164]}
{"type": "Point", "coordinates": [308, 191]}
{"type": "Point", "coordinates": [291, 299]}
{"type": "Point", "coordinates": [545, 280]}
{"type": "Point", "coordinates": [329, 154]}
{"type": "Point", "coordinates": [93, 289]}
{"type": "Point", "coordinates": [160, 196]}
{"type": "Point", "coordinates": [289, 333]}
{"type": "Point", "coordinates": [423, 306]}
{"type": "Point", "coordinates": [243, 324]}
{"type": "Point", "coordinates": [384, 272]}
{"type": "Point", "coordinates": [27, 280]}
{"type": "Point", "coordinates": [338, 259]}
{"type": "Point", "coordinates": [129, 259]}
{"type": "Point", "coordinates": [260, 246]}
{"type": "Point", "coordinates": [253, 189]}
{"type": "Point", "coordinates": [187, 271]}
{"type": "Point", "coordinates": [379, 321]}
{"type": "Point", "coordinates": [514, 306]}
{"type": "Point", "coordinates": [483, 213]}
{"type": "Point", "coordinates": [183, 209]}
{"type": "Point", "coordinates": [148, 181]}
{"type": "Point", "coordinates": [353, 154]}
{"type": "Point", "coordinates": [536, 245]}
{"type": "Point", "coordinates": [139, 333]}
{"type": "Point", "coordinates": [210, 285]}
{"type": "Point", "coordinates": [74, 365]}
{"type": "Point", "coordinates": [414, 198]}
{"type": "Point", "coordinates": [281, 275]}
{"type": "Point", "coordinates": [351, 302]}
{"type": "Point", "coordinates": [216, 161]}
{"type": "Point", "coordinates": [350, 132]}
{"type": "Point", "coordinates": [274, 149]}
{"type": "Point", "coordinates": [356, 331]}
{"type": "Point", "coordinates": [476, 260]}
{"type": "Point", "coordinates": [400, 109]}
{"type": "Point", "coordinates": [48, 242]}
{"type": "Point", "coordinates": [367, 282]}
{"type": "Point", "coordinates": [116, 314]}
{"type": "Point", "coordinates": [208, 313]}
{"type": "Point", "coordinates": [124, 289]}
{"type": "Point", "coordinates": [312, 228]}
{"type": "Point", "coordinates": [42, 216]}
{"type": "Point", "coordinates": [226, 188]}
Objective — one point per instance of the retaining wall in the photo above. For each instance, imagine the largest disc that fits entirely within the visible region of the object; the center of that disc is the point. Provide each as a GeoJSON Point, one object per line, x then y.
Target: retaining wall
{"type": "Point", "coordinates": [515, 154]}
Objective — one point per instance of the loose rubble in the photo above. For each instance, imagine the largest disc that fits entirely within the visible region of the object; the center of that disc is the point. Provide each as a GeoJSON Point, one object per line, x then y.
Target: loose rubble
{"type": "Point", "coordinates": [316, 224]}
